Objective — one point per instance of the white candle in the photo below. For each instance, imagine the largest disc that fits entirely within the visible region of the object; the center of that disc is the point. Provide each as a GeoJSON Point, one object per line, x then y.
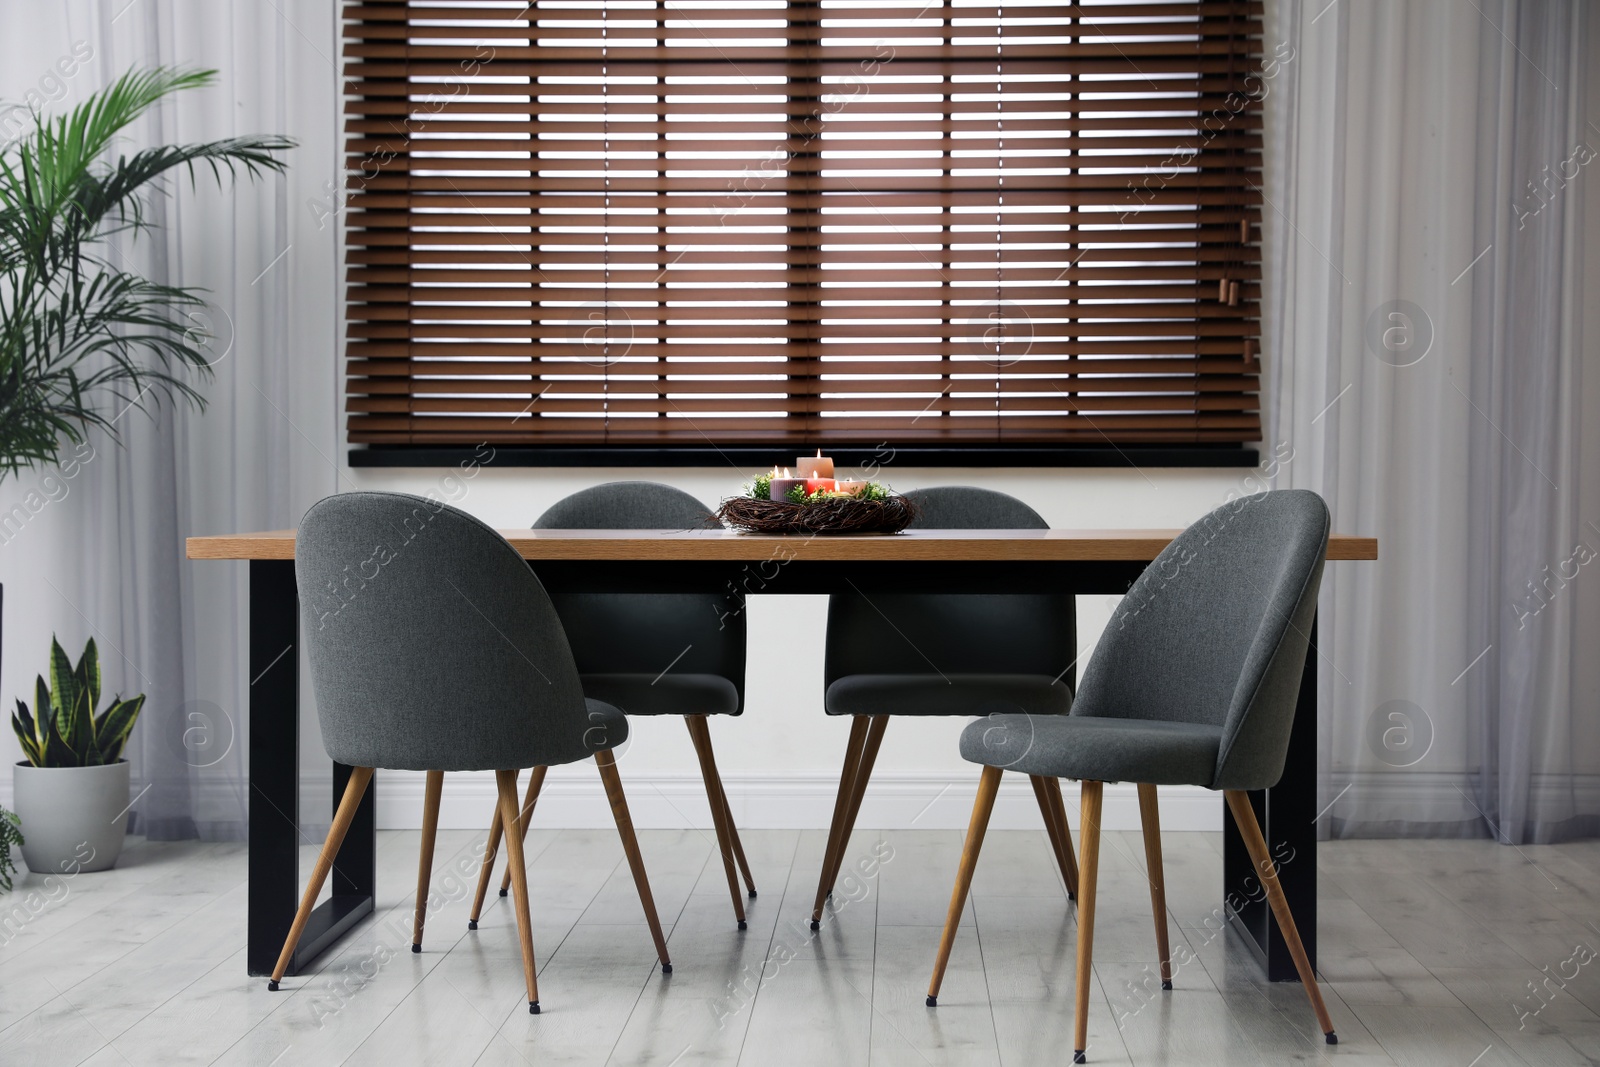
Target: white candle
{"type": "Point", "coordinates": [817, 466]}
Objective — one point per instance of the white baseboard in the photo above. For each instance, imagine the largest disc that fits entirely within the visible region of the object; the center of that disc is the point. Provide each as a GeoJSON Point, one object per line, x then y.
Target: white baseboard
{"type": "Point", "coordinates": [573, 798]}
{"type": "Point", "coordinates": [769, 802]}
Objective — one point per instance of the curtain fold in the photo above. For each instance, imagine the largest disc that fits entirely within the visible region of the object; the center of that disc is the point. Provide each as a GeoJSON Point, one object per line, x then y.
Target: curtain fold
{"type": "Point", "coordinates": [1423, 314]}
{"type": "Point", "coordinates": [112, 547]}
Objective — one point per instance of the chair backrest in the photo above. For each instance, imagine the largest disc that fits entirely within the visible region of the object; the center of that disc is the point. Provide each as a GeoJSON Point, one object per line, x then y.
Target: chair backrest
{"type": "Point", "coordinates": [432, 645]}
{"type": "Point", "coordinates": [627, 506]}
{"type": "Point", "coordinates": [632, 633]}
{"type": "Point", "coordinates": [1216, 631]}
{"type": "Point", "coordinates": [967, 633]}
{"type": "Point", "coordinates": [967, 507]}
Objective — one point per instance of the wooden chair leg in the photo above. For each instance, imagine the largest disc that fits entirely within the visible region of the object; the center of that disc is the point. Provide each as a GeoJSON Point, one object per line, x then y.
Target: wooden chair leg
{"type": "Point", "coordinates": [506, 784]}
{"type": "Point", "coordinates": [1150, 820]}
{"type": "Point", "coordinates": [630, 845]}
{"type": "Point", "coordinates": [701, 735]}
{"type": "Point", "coordinates": [982, 807]}
{"type": "Point", "coordinates": [430, 830]}
{"type": "Point", "coordinates": [1089, 827]}
{"type": "Point", "coordinates": [353, 790]}
{"type": "Point", "coordinates": [841, 805]}
{"type": "Point", "coordinates": [738, 845]}
{"type": "Point", "coordinates": [1244, 816]}
{"type": "Point", "coordinates": [1053, 789]}
{"type": "Point", "coordinates": [489, 851]}
{"type": "Point", "coordinates": [525, 819]}
{"type": "Point", "coordinates": [869, 757]}
{"type": "Point", "coordinates": [1053, 826]}
{"type": "Point", "coordinates": [733, 828]}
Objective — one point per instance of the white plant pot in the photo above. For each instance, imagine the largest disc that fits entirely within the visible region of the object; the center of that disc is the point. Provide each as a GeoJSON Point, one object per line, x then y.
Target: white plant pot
{"type": "Point", "coordinates": [73, 818]}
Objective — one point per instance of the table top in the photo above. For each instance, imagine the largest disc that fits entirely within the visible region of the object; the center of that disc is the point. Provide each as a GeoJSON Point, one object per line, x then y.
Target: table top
{"type": "Point", "coordinates": [731, 546]}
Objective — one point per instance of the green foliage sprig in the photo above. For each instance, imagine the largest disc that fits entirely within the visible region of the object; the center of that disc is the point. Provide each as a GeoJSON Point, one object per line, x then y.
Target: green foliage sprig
{"type": "Point", "coordinates": [761, 489]}
{"type": "Point", "coordinates": [64, 731]}
{"type": "Point", "coordinates": [73, 324]}
{"type": "Point", "coordinates": [10, 834]}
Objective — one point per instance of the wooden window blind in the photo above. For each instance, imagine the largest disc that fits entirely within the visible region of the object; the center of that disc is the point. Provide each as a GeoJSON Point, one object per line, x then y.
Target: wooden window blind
{"type": "Point", "coordinates": [809, 222]}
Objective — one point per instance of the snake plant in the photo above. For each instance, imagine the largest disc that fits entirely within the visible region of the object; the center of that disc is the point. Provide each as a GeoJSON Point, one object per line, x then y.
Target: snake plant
{"type": "Point", "coordinates": [10, 834]}
{"type": "Point", "coordinates": [65, 731]}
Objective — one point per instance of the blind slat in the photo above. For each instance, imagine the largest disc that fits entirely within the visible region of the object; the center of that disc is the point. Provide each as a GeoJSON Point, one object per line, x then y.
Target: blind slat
{"type": "Point", "coordinates": [795, 223]}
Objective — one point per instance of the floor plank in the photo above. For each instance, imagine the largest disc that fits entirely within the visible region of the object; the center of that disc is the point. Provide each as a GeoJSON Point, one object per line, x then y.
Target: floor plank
{"type": "Point", "coordinates": [1436, 952]}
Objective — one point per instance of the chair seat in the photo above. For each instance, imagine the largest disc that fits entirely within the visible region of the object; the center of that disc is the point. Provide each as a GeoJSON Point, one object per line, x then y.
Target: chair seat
{"type": "Point", "coordinates": [954, 694]}
{"type": "Point", "coordinates": [1096, 749]}
{"type": "Point", "coordinates": [664, 694]}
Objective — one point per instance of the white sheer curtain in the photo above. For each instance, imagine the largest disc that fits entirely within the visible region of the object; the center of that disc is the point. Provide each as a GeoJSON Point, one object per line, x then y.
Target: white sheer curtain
{"type": "Point", "coordinates": [1425, 326]}
{"type": "Point", "coordinates": [112, 562]}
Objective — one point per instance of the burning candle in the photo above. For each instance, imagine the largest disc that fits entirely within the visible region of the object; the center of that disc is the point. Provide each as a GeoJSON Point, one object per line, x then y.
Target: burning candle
{"type": "Point", "coordinates": [817, 485]}
{"type": "Point", "coordinates": [818, 466]}
{"type": "Point", "coordinates": [853, 488]}
{"type": "Point", "coordinates": [782, 482]}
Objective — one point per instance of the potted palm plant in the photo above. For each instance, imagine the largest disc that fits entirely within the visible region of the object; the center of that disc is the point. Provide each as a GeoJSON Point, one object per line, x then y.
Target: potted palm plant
{"type": "Point", "coordinates": [72, 788]}
{"type": "Point", "coordinates": [83, 339]}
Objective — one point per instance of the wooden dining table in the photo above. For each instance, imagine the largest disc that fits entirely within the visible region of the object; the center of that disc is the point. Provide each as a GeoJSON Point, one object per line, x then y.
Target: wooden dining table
{"type": "Point", "coordinates": [739, 565]}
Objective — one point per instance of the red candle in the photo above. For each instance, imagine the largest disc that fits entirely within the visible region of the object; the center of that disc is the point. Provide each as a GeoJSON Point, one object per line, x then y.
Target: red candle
{"type": "Point", "coordinates": [814, 485]}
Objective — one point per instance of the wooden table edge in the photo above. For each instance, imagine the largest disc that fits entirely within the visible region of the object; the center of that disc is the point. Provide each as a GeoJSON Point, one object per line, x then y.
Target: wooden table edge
{"type": "Point", "coordinates": [670, 545]}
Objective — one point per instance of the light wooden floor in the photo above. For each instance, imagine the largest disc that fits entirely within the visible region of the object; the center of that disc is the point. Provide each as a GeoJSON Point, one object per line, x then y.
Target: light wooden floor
{"type": "Point", "coordinates": [1428, 952]}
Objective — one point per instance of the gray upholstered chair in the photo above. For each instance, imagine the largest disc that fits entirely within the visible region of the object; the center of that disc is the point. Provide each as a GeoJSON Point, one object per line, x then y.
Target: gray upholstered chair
{"type": "Point", "coordinates": [1194, 682]}
{"type": "Point", "coordinates": [922, 654]}
{"type": "Point", "coordinates": [434, 648]}
{"type": "Point", "coordinates": [652, 653]}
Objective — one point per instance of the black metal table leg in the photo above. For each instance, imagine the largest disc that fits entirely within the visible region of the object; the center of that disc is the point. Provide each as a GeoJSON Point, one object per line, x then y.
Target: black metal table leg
{"type": "Point", "coordinates": [1287, 813]}
{"type": "Point", "coordinates": [275, 837]}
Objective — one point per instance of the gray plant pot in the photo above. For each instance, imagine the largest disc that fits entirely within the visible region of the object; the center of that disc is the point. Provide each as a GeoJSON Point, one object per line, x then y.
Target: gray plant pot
{"type": "Point", "coordinates": [74, 818]}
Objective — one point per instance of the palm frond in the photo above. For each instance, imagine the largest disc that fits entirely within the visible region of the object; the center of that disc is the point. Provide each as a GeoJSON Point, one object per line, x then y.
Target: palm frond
{"type": "Point", "coordinates": [75, 330]}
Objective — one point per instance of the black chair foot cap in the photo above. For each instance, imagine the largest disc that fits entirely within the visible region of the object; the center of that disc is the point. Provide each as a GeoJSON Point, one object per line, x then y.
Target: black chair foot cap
{"type": "Point", "coordinates": [472, 924]}
{"type": "Point", "coordinates": [666, 968]}
{"type": "Point", "coordinates": [752, 894]}
{"type": "Point", "coordinates": [533, 1007]}
{"type": "Point", "coordinates": [1167, 984]}
{"type": "Point", "coordinates": [272, 986]}
{"type": "Point", "coordinates": [1072, 897]}
{"type": "Point", "coordinates": [815, 925]}
{"type": "Point", "coordinates": [742, 924]}
{"type": "Point", "coordinates": [504, 892]}
{"type": "Point", "coordinates": [933, 1002]}
{"type": "Point", "coordinates": [1333, 1038]}
{"type": "Point", "coordinates": [415, 947]}
{"type": "Point", "coordinates": [1078, 1056]}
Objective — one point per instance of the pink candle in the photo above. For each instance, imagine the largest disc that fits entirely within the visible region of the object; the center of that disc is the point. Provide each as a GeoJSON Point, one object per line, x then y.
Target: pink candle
{"type": "Point", "coordinates": [850, 487]}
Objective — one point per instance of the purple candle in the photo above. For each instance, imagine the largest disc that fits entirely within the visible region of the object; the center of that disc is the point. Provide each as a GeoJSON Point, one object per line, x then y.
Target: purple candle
{"type": "Point", "coordinates": [781, 484]}
{"type": "Point", "coordinates": [781, 487]}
